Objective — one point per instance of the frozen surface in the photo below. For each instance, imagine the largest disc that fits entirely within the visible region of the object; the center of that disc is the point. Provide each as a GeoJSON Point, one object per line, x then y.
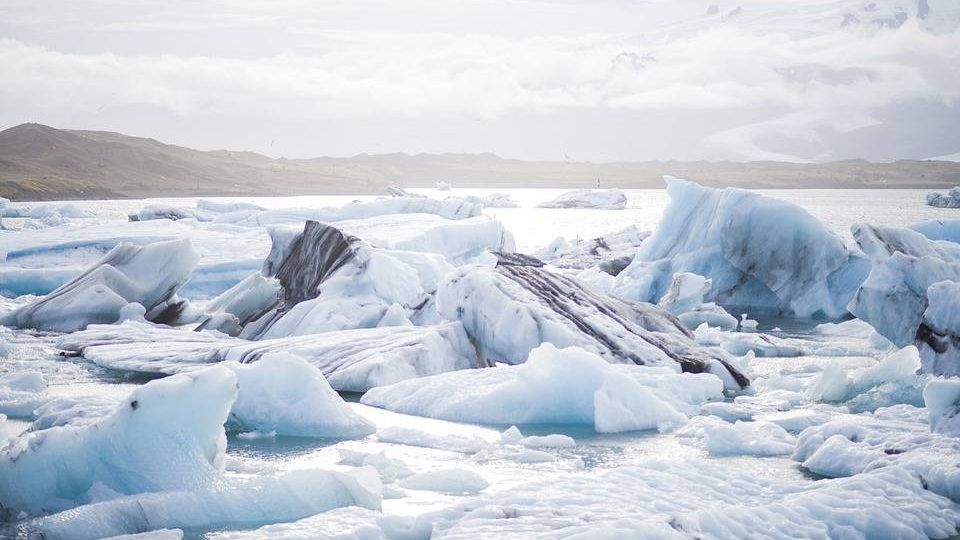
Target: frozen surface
{"type": "Point", "coordinates": [555, 386]}
{"type": "Point", "coordinates": [760, 253]}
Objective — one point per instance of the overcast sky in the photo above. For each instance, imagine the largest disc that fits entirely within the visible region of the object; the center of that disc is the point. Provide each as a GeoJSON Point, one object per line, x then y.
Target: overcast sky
{"type": "Point", "coordinates": [600, 80]}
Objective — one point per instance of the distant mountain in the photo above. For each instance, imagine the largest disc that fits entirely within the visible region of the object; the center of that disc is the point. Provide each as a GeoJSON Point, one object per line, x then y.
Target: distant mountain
{"type": "Point", "coordinates": [39, 162]}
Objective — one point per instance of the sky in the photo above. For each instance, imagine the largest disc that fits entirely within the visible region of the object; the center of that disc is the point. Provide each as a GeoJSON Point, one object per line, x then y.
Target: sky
{"type": "Point", "coordinates": [600, 80]}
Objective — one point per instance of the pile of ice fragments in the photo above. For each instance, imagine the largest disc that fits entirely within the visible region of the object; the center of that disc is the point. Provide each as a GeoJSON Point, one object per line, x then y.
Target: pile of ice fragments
{"type": "Point", "coordinates": [256, 319]}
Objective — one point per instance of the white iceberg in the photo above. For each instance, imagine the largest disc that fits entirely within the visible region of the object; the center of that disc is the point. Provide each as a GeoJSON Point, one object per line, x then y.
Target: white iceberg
{"type": "Point", "coordinates": [493, 200]}
{"type": "Point", "coordinates": [167, 435]}
{"type": "Point", "coordinates": [148, 275]}
{"type": "Point", "coordinates": [511, 309]}
{"type": "Point", "coordinates": [684, 299]}
{"type": "Point", "coordinates": [283, 394]}
{"type": "Point", "coordinates": [762, 254]}
{"type": "Point", "coordinates": [950, 199]}
{"type": "Point", "coordinates": [611, 252]}
{"type": "Point", "coordinates": [910, 295]}
{"type": "Point", "coordinates": [609, 199]}
{"type": "Point", "coordinates": [555, 386]}
{"type": "Point", "coordinates": [451, 209]}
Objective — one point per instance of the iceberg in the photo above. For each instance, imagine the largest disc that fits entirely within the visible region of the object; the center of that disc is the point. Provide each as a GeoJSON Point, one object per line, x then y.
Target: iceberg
{"type": "Point", "coordinates": [283, 394]}
{"type": "Point", "coordinates": [910, 296]}
{"type": "Point", "coordinates": [739, 438]}
{"type": "Point", "coordinates": [762, 254]}
{"type": "Point", "coordinates": [511, 309]}
{"type": "Point", "coordinates": [950, 199]}
{"type": "Point", "coordinates": [148, 275]}
{"type": "Point", "coordinates": [611, 253]}
{"type": "Point", "coordinates": [939, 229]}
{"type": "Point", "coordinates": [493, 200]}
{"type": "Point", "coordinates": [609, 199]}
{"type": "Point", "coordinates": [351, 360]}
{"type": "Point", "coordinates": [555, 386]}
{"type": "Point", "coordinates": [167, 435]}
{"type": "Point", "coordinates": [684, 299]}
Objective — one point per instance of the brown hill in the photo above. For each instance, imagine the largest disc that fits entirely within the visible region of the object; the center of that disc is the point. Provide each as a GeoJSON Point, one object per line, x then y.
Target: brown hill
{"type": "Point", "coordinates": [39, 162]}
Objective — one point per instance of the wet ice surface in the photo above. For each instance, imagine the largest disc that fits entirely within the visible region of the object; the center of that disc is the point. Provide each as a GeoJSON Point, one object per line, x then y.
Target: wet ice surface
{"type": "Point", "coordinates": [579, 486]}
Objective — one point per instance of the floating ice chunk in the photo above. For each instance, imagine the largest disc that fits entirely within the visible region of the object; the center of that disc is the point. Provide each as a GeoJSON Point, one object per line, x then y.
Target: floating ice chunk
{"type": "Point", "coordinates": [173, 213]}
{"type": "Point", "coordinates": [451, 209]}
{"type": "Point", "coordinates": [939, 229]}
{"type": "Point", "coordinates": [239, 305]}
{"type": "Point", "coordinates": [349, 523]}
{"type": "Point", "coordinates": [710, 314]}
{"type": "Point", "coordinates": [950, 199]}
{"type": "Point", "coordinates": [740, 438]}
{"type": "Point", "coordinates": [283, 394]}
{"type": "Point", "coordinates": [443, 186]}
{"type": "Point", "coordinates": [237, 503]}
{"type": "Point", "coordinates": [686, 292]}
{"type": "Point", "coordinates": [389, 469]}
{"type": "Point", "coordinates": [67, 210]}
{"type": "Point", "coordinates": [684, 299]}
{"type": "Point", "coordinates": [555, 440]}
{"type": "Point", "coordinates": [546, 307]}
{"type": "Point", "coordinates": [222, 207]}
{"type": "Point", "coordinates": [416, 437]}
{"type": "Point", "coordinates": [611, 253]}
{"type": "Point", "coordinates": [21, 393]}
{"type": "Point", "coordinates": [511, 435]}
{"type": "Point", "coordinates": [451, 481]}
{"type": "Point", "coordinates": [149, 275]}
{"type": "Point", "coordinates": [895, 375]}
{"type": "Point", "coordinates": [555, 386]}
{"type": "Point", "coordinates": [942, 399]}
{"type": "Point", "coordinates": [760, 253]}
{"type": "Point", "coordinates": [351, 360]}
{"type": "Point", "coordinates": [609, 199]}
{"type": "Point", "coordinates": [493, 200]}
{"type": "Point", "coordinates": [167, 435]}
{"type": "Point", "coordinates": [529, 455]}
{"type": "Point", "coordinates": [747, 325]}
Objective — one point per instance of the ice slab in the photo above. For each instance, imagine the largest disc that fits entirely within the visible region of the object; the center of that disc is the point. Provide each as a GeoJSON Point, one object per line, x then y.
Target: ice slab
{"type": "Point", "coordinates": [555, 386]}
{"type": "Point", "coordinates": [609, 199]}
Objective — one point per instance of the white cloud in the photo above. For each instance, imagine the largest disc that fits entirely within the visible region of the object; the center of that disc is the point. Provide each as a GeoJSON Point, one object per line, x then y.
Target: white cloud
{"type": "Point", "coordinates": [800, 63]}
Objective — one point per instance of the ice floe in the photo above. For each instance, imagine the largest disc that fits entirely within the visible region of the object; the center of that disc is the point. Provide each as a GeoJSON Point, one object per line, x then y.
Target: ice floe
{"type": "Point", "coordinates": [610, 253]}
{"type": "Point", "coordinates": [555, 386]}
{"type": "Point", "coordinates": [608, 199]}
